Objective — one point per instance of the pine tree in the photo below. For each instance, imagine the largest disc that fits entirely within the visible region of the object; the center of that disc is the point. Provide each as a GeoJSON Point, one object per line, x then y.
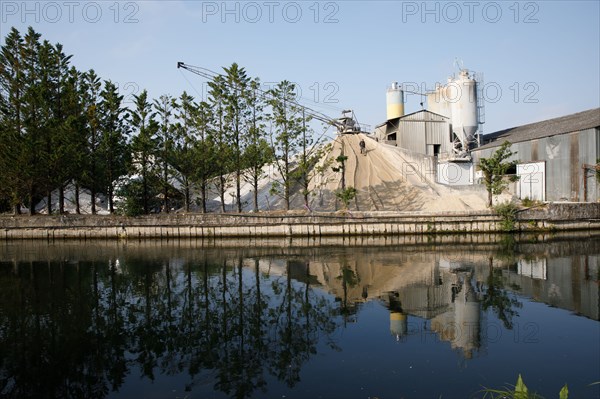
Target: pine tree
{"type": "Point", "coordinates": [257, 152]}
{"type": "Point", "coordinates": [91, 87]}
{"type": "Point", "coordinates": [164, 107]}
{"type": "Point", "coordinates": [204, 149]}
{"type": "Point", "coordinates": [12, 88]}
{"type": "Point", "coordinates": [32, 138]}
{"type": "Point", "coordinates": [236, 115]}
{"type": "Point", "coordinates": [113, 146]}
{"type": "Point", "coordinates": [286, 127]}
{"type": "Point", "coordinates": [222, 163]}
{"type": "Point", "coordinates": [184, 157]}
{"type": "Point", "coordinates": [144, 146]}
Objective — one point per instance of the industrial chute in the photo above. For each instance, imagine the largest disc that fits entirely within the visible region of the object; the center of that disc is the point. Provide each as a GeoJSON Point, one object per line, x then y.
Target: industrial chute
{"type": "Point", "coordinates": [346, 124]}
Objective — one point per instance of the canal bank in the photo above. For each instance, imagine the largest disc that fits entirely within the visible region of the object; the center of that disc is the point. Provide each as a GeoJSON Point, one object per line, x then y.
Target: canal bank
{"type": "Point", "coordinates": [550, 217]}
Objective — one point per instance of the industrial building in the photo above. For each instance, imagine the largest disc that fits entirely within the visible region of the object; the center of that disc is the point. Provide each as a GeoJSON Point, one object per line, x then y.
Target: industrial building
{"type": "Point", "coordinates": [557, 158]}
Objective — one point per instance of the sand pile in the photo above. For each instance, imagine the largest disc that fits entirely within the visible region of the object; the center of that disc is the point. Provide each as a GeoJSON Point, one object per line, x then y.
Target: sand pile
{"type": "Point", "coordinates": [385, 181]}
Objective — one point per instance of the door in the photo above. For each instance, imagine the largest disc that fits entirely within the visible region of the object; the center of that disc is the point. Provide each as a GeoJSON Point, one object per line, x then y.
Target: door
{"type": "Point", "coordinates": [532, 181]}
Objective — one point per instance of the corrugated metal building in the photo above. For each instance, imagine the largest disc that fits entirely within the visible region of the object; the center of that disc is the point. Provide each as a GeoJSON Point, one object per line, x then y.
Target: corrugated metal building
{"type": "Point", "coordinates": [555, 156]}
{"type": "Point", "coordinates": [423, 132]}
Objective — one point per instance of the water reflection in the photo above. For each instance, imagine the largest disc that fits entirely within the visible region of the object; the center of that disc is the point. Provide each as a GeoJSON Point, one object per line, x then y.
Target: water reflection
{"type": "Point", "coordinates": [78, 320]}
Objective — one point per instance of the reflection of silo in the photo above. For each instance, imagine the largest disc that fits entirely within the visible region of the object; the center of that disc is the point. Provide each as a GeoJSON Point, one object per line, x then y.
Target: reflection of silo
{"type": "Point", "coordinates": [398, 324]}
{"type": "Point", "coordinates": [463, 104]}
{"type": "Point", "coordinates": [467, 319]}
{"type": "Point", "coordinates": [395, 101]}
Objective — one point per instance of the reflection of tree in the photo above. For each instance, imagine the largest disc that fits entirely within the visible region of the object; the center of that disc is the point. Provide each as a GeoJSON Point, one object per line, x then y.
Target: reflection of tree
{"type": "Point", "coordinates": [498, 299]}
{"type": "Point", "coordinates": [79, 329]}
{"type": "Point", "coordinates": [349, 279]}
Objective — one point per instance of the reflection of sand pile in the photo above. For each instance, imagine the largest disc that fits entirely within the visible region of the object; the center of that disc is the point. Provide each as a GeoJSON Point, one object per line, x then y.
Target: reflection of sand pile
{"type": "Point", "coordinates": [384, 179]}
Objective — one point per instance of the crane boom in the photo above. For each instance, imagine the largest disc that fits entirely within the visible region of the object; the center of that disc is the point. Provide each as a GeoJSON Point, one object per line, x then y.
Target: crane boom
{"type": "Point", "coordinates": [344, 125]}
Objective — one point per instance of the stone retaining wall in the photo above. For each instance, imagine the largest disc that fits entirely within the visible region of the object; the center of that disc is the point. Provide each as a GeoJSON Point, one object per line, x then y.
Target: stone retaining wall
{"type": "Point", "coordinates": [294, 224]}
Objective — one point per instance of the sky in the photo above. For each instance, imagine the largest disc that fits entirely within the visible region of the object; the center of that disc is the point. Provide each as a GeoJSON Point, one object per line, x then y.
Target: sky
{"type": "Point", "coordinates": [539, 59]}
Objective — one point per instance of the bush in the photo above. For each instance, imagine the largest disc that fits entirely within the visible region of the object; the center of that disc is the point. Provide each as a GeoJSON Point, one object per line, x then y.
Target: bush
{"type": "Point", "coordinates": [508, 212]}
{"type": "Point", "coordinates": [131, 202]}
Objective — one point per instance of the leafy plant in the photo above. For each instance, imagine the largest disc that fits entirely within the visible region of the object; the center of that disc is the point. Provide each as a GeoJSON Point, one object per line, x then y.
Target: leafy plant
{"type": "Point", "coordinates": [508, 212]}
{"type": "Point", "coordinates": [495, 168]}
{"type": "Point", "coordinates": [346, 195]}
{"type": "Point", "coordinates": [520, 391]}
{"type": "Point", "coordinates": [528, 202]}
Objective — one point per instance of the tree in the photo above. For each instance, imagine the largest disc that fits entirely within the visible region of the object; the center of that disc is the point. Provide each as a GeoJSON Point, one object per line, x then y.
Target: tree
{"type": "Point", "coordinates": [113, 145]}
{"type": "Point", "coordinates": [32, 106]}
{"type": "Point", "coordinates": [257, 152]}
{"type": "Point", "coordinates": [494, 169]}
{"type": "Point", "coordinates": [144, 149]}
{"type": "Point", "coordinates": [184, 156]}
{"type": "Point", "coordinates": [164, 108]}
{"type": "Point", "coordinates": [311, 153]}
{"type": "Point", "coordinates": [91, 87]}
{"type": "Point", "coordinates": [344, 194]}
{"type": "Point", "coordinates": [12, 87]}
{"type": "Point", "coordinates": [286, 128]}
{"type": "Point", "coordinates": [204, 149]}
{"type": "Point", "coordinates": [237, 112]}
{"type": "Point", "coordinates": [217, 103]}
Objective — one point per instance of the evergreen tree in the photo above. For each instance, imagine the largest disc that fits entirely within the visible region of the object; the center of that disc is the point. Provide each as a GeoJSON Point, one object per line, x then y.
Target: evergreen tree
{"type": "Point", "coordinates": [257, 152]}
{"type": "Point", "coordinates": [67, 126]}
{"type": "Point", "coordinates": [144, 147]}
{"type": "Point", "coordinates": [75, 126]}
{"type": "Point", "coordinates": [311, 152]}
{"type": "Point", "coordinates": [12, 152]}
{"type": "Point", "coordinates": [164, 107]}
{"type": "Point", "coordinates": [184, 156]}
{"type": "Point", "coordinates": [32, 138]}
{"type": "Point", "coordinates": [286, 129]}
{"type": "Point", "coordinates": [237, 113]}
{"type": "Point", "coordinates": [204, 148]}
{"type": "Point", "coordinates": [217, 102]}
{"type": "Point", "coordinates": [113, 146]}
{"type": "Point", "coordinates": [90, 178]}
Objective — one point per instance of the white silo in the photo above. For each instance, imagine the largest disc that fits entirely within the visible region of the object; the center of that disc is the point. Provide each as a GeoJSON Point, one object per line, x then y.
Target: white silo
{"type": "Point", "coordinates": [463, 105]}
{"type": "Point", "coordinates": [395, 101]}
{"type": "Point", "coordinates": [437, 101]}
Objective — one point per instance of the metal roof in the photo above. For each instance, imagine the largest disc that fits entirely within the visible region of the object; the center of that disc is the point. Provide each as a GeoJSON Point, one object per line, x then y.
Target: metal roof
{"type": "Point", "coordinates": [565, 124]}
{"type": "Point", "coordinates": [427, 116]}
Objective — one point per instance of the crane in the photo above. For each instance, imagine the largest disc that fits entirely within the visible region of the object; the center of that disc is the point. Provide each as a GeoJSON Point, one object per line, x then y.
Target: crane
{"type": "Point", "coordinates": [346, 124]}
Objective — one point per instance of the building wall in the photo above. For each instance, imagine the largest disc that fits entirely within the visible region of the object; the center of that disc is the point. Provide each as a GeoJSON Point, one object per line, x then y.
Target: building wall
{"type": "Point", "coordinates": [419, 132]}
{"type": "Point", "coordinates": [564, 155]}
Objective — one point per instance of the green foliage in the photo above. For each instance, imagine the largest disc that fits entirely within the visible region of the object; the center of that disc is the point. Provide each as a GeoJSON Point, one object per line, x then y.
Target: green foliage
{"type": "Point", "coordinates": [346, 195]}
{"type": "Point", "coordinates": [598, 170]}
{"type": "Point", "coordinates": [508, 211]}
{"type": "Point", "coordinates": [519, 391]}
{"type": "Point", "coordinates": [528, 202]}
{"type": "Point", "coordinates": [564, 392]}
{"type": "Point", "coordinates": [287, 126]}
{"type": "Point", "coordinates": [59, 125]}
{"type": "Point", "coordinates": [132, 203]}
{"type": "Point", "coordinates": [494, 169]}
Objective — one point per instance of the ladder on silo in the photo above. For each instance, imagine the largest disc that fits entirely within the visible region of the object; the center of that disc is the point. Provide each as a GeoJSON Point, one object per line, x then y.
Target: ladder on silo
{"type": "Point", "coordinates": [478, 76]}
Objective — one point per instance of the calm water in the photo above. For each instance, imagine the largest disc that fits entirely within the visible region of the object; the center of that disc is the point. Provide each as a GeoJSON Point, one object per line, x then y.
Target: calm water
{"type": "Point", "coordinates": [389, 318]}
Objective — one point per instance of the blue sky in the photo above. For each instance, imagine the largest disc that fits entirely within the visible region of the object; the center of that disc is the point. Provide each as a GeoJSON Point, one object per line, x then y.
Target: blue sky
{"type": "Point", "coordinates": [540, 59]}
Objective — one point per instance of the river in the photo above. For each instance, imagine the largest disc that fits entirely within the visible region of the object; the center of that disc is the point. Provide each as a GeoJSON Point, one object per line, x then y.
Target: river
{"type": "Point", "coordinates": [408, 317]}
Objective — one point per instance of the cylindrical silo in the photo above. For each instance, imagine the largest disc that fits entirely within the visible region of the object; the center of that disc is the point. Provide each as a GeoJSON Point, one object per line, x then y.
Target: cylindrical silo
{"type": "Point", "coordinates": [437, 101]}
{"type": "Point", "coordinates": [463, 104]}
{"type": "Point", "coordinates": [395, 101]}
